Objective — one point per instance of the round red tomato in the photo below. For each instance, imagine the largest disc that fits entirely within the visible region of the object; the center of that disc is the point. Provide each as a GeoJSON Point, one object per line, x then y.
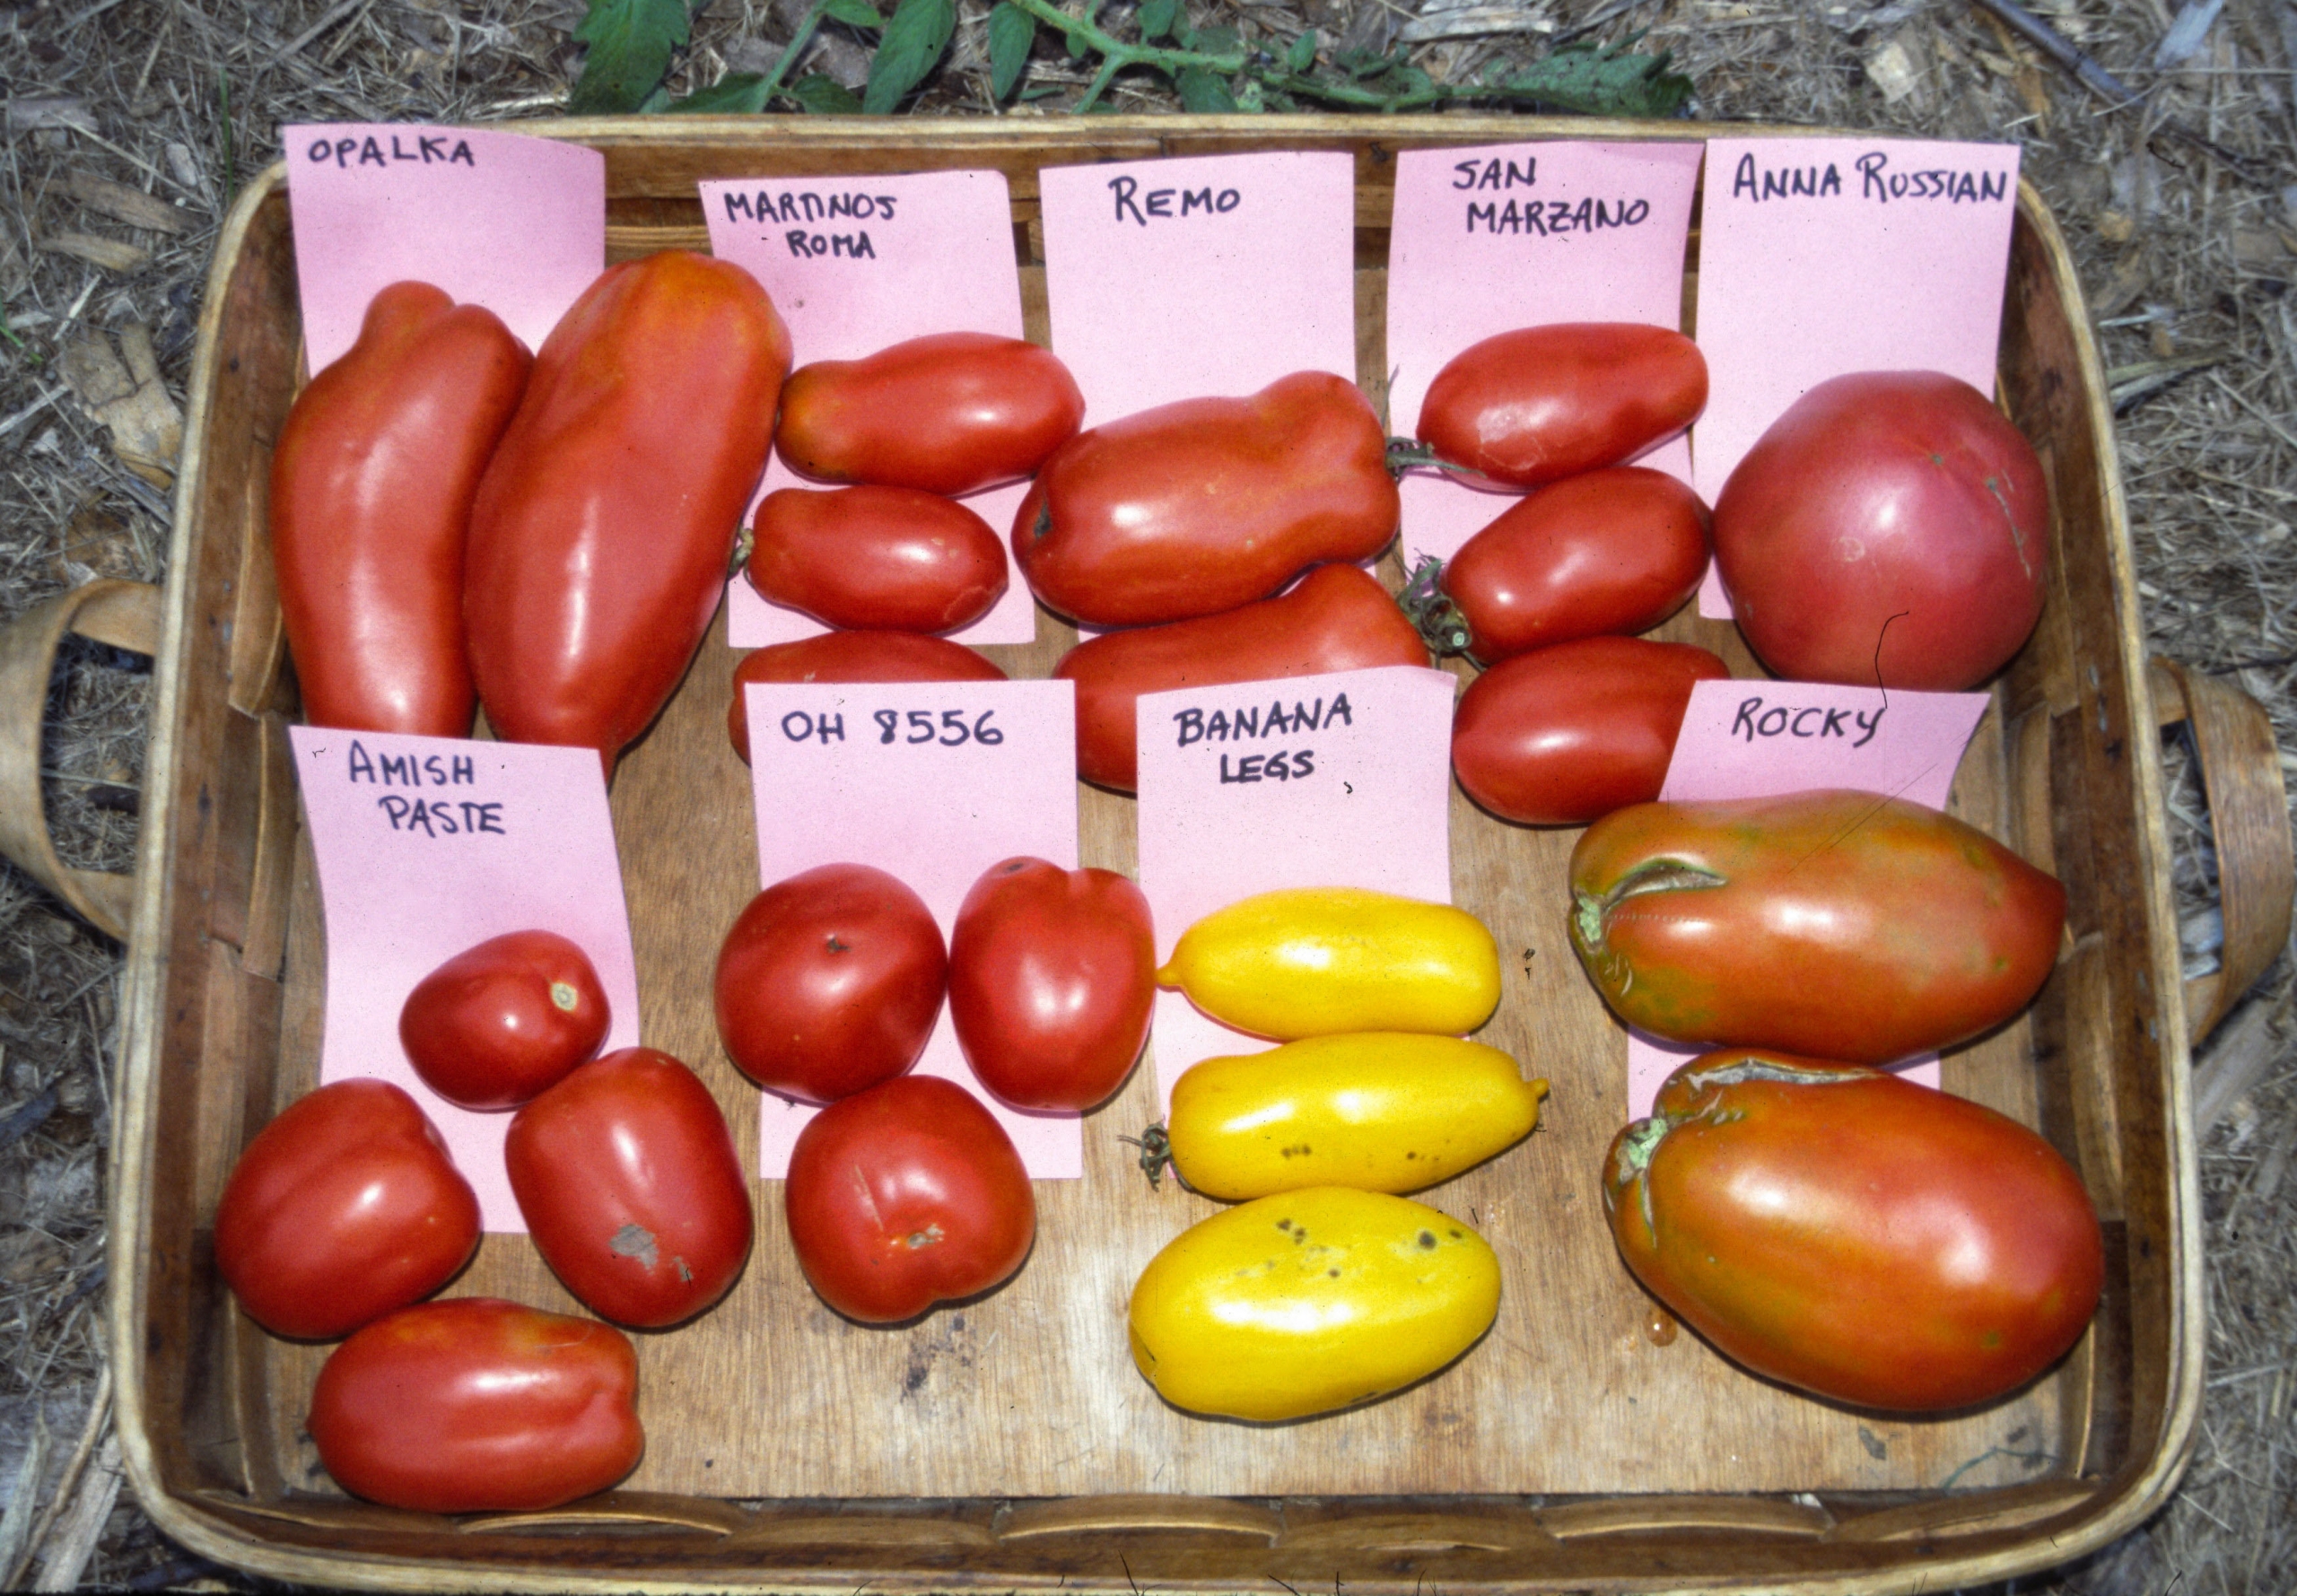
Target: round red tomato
{"type": "Point", "coordinates": [1543, 403]}
{"type": "Point", "coordinates": [890, 559]}
{"type": "Point", "coordinates": [1853, 1234]}
{"type": "Point", "coordinates": [632, 1189]}
{"type": "Point", "coordinates": [907, 1195]}
{"type": "Point", "coordinates": [852, 657]}
{"type": "Point", "coordinates": [478, 1405]}
{"type": "Point", "coordinates": [830, 983]}
{"type": "Point", "coordinates": [1613, 551]}
{"type": "Point", "coordinates": [498, 1023]}
{"type": "Point", "coordinates": [1559, 735]}
{"type": "Point", "coordinates": [344, 1206]}
{"type": "Point", "coordinates": [1891, 529]}
{"type": "Point", "coordinates": [1052, 976]}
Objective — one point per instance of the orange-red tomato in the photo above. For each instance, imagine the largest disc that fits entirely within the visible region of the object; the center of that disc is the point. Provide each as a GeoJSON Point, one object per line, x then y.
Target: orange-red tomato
{"type": "Point", "coordinates": [502, 1021]}
{"type": "Point", "coordinates": [1200, 506]}
{"type": "Point", "coordinates": [1543, 403]}
{"type": "Point", "coordinates": [372, 486]}
{"type": "Point", "coordinates": [1853, 1234]}
{"type": "Point", "coordinates": [852, 657]}
{"type": "Point", "coordinates": [889, 559]}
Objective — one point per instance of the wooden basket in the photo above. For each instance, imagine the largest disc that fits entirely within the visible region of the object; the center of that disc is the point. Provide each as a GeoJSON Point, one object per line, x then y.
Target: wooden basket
{"type": "Point", "coordinates": [1010, 1444]}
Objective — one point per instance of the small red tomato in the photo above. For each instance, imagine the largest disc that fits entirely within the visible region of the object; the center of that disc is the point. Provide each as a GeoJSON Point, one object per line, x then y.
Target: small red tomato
{"type": "Point", "coordinates": [830, 982]}
{"type": "Point", "coordinates": [852, 657]}
{"type": "Point", "coordinates": [889, 559]}
{"type": "Point", "coordinates": [1613, 551]}
{"type": "Point", "coordinates": [476, 1405]}
{"type": "Point", "coordinates": [632, 1189]}
{"type": "Point", "coordinates": [1559, 735]}
{"type": "Point", "coordinates": [1543, 403]}
{"type": "Point", "coordinates": [344, 1206]}
{"type": "Point", "coordinates": [1052, 974]}
{"type": "Point", "coordinates": [907, 1195]}
{"type": "Point", "coordinates": [497, 1023]}
{"type": "Point", "coordinates": [945, 413]}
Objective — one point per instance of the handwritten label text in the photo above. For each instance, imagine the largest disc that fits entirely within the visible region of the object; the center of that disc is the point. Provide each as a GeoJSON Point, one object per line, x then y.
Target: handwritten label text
{"type": "Point", "coordinates": [425, 149]}
{"type": "Point", "coordinates": [1132, 204]}
{"type": "Point", "coordinates": [1754, 720]}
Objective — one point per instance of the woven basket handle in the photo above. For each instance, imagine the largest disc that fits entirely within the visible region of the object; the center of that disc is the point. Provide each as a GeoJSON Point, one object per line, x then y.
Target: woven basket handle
{"type": "Point", "coordinates": [2249, 817]}
{"type": "Point", "coordinates": [124, 614]}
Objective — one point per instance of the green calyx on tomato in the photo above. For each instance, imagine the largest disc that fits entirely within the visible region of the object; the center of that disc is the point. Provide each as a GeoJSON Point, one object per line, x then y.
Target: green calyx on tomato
{"type": "Point", "coordinates": [1441, 624]}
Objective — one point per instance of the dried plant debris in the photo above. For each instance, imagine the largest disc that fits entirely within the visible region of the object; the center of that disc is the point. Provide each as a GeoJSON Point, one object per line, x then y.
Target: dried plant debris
{"type": "Point", "coordinates": [2163, 133]}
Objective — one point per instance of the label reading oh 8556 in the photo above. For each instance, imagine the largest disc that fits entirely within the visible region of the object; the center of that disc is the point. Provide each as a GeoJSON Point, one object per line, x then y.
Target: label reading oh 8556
{"type": "Point", "coordinates": [946, 729]}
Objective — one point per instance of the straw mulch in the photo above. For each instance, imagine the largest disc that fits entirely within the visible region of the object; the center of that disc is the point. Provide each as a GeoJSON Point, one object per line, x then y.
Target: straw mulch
{"type": "Point", "coordinates": [128, 124]}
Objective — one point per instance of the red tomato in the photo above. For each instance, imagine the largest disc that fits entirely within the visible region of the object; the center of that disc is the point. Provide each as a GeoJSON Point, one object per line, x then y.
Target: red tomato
{"type": "Point", "coordinates": [372, 486]}
{"type": "Point", "coordinates": [1853, 1234]}
{"type": "Point", "coordinates": [1198, 507]}
{"type": "Point", "coordinates": [602, 532]}
{"type": "Point", "coordinates": [830, 982]}
{"type": "Point", "coordinates": [944, 413]}
{"type": "Point", "coordinates": [478, 1405]}
{"type": "Point", "coordinates": [892, 559]}
{"type": "Point", "coordinates": [1615, 550]}
{"type": "Point", "coordinates": [1559, 735]}
{"type": "Point", "coordinates": [852, 657]}
{"type": "Point", "coordinates": [344, 1206]}
{"type": "Point", "coordinates": [632, 1189]}
{"type": "Point", "coordinates": [502, 1022]}
{"type": "Point", "coordinates": [1337, 618]}
{"type": "Point", "coordinates": [1842, 925]}
{"type": "Point", "coordinates": [1052, 976]}
{"type": "Point", "coordinates": [907, 1195]}
{"type": "Point", "coordinates": [1891, 528]}
{"type": "Point", "coordinates": [1543, 403]}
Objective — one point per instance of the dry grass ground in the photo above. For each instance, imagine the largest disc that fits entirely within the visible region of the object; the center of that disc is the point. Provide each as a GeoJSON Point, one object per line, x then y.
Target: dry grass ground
{"type": "Point", "coordinates": [128, 124]}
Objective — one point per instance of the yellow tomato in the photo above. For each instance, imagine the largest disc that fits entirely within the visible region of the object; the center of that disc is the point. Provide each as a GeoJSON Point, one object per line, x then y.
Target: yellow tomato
{"type": "Point", "coordinates": [1321, 960]}
{"type": "Point", "coordinates": [1381, 1110]}
{"type": "Point", "coordinates": [1310, 1301]}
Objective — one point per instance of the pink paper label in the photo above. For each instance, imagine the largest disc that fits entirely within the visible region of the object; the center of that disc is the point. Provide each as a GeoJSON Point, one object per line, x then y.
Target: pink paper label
{"type": "Point", "coordinates": [1505, 236]}
{"type": "Point", "coordinates": [427, 846]}
{"type": "Point", "coordinates": [1820, 256]}
{"type": "Point", "coordinates": [932, 782]}
{"type": "Point", "coordinates": [855, 265]}
{"type": "Point", "coordinates": [1203, 277]}
{"type": "Point", "coordinates": [1758, 739]}
{"type": "Point", "coordinates": [516, 224]}
{"type": "Point", "coordinates": [1332, 780]}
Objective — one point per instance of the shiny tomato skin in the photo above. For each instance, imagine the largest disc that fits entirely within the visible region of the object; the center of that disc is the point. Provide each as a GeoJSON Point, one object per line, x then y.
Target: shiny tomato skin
{"type": "Point", "coordinates": [830, 983]}
{"type": "Point", "coordinates": [1853, 1234]}
{"type": "Point", "coordinates": [502, 1021]}
{"type": "Point", "coordinates": [478, 1405]}
{"type": "Point", "coordinates": [1834, 924]}
{"type": "Point", "coordinates": [1052, 974]}
{"type": "Point", "coordinates": [1337, 618]}
{"type": "Point", "coordinates": [1561, 735]}
{"type": "Point", "coordinates": [907, 1195]}
{"type": "Point", "coordinates": [605, 524]}
{"type": "Point", "coordinates": [344, 1208]}
{"type": "Point", "coordinates": [371, 486]}
{"type": "Point", "coordinates": [1613, 551]}
{"type": "Point", "coordinates": [852, 657]}
{"type": "Point", "coordinates": [1890, 527]}
{"type": "Point", "coordinates": [945, 413]}
{"type": "Point", "coordinates": [884, 559]}
{"type": "Point", "coordinates": [1197, 507]}
{"type": "Point", "coordinates": [632, 1189]}
{"type": "Point", "coordinates": [1540, 404]}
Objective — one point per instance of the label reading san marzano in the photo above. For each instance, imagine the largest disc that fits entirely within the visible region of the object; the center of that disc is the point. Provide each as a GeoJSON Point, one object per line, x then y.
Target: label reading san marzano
{"type": "Point", "coordinates": [1250, 723]}
{"type": "Point", "coordinates": [420, 149]}
{"type": "Point", "coordinates": [1522, 217]}
{"type": "Point", "coordinates": [1136, 204]}
{"type": "Point", "coordinates": [770, 210]}
{"type": "Point", "coordinates": [426, 812]}
{"type": "Point", "coordinates": [1877, 183]}
{"type": "Point", "coordinates": [1759, 722]}
{"type": "Point", "coordinates": [945, 729]}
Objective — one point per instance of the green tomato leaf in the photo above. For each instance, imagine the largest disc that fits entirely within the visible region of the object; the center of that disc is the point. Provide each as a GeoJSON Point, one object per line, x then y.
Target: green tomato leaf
{"type": "Point", "coordinates": [853, 13]}
{"type": "Point", "coordinates": [1303, 52]}
{"type": "Point", "coordinates": [1202, 92]}
{"type": "Point", "coordinates": [824, 95]}
{"type": "Point", "coordinates": [914, 41]}
{"type": "Point", "coordinates": [631, 42]}
{"type": "Point", "coordinates": [1214, 41]}
{"type": "Point", "coordinates": [736, 91]}
{"type": "Point", "coordinates": [1158, 19]}
{"type": "Point", "coordinates": [1249, 98]}
{"type": "Point", "coordinates": [1616, 83]}
{"type": "Point", "coordinates": [1011, 32]}
{"type": "Point", "coordinates": [1078, 46]}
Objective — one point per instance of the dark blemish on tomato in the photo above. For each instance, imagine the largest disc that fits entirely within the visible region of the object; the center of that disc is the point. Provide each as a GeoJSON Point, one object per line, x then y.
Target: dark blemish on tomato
{"type": "Point", "coordinates": [1284, 1224]}
{"type": "Point", "coordinates": [835, 945]}
{"type": "Point", "coordinates": [633, 1241]}
{"type": "Point", "coordinates": [1333, 1273]}
{"type": "Point", "coordinates": [1428, 1238]}
{"type": "Point", "coordinates": [917, 1240]}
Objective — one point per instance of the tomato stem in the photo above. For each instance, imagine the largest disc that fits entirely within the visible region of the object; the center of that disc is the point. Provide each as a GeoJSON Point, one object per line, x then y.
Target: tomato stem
{"type": "Point", "coordinates": [1441, 625]}
{"type": "Point", "coordinates": [1156, 1155]}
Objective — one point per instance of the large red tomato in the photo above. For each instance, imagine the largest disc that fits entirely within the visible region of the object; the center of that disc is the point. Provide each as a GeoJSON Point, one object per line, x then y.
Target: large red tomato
{"type": "Point", "coordinates": [1052, 974]}
{"type": "Point", "coordinates": [476, 1405]}
{"type": "Point", "coordinates": [1853, 1233]}
{"type": "Point", "coordinates": [907, 1195]}
{"type": "Point", "coordinates": [830, 982]}
{"type": "Point", "coordinates": [632, 1189]}
{"type": "Point", "coordinates": [499, 1023]}
{"type": "Point", "coordinates": [1842, 925]}
{"type": "Point", "coordinates": [1891, 529]}
{"type": "Point", "coordinates": [890, 559]}
{"type": "Point", "coordinates": [852, 657]}
{"type": "Point", "coordinates": [1559, 735]}
{"type": "Point", "coordinates": [344, 1206]}
{"type": "Point", "coordinates": [1543, 403]}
